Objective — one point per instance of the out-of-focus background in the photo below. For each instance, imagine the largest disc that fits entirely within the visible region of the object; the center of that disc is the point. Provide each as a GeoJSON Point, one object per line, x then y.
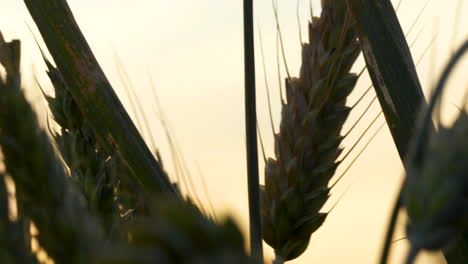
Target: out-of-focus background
{"type": "Point", "coordinates": [193, 53]}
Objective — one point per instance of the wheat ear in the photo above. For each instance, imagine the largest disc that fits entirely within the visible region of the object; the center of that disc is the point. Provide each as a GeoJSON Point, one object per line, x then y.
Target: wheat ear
{"type": "Point", "coordinates": [175, 231]}
{"type": "Point", "coordinates": [104, 178]}
{"type": "Point", "coordinates": [67, 230]}
{"type": "Point", "coordinates": [435, 193]}
{"type": "Point", "coordinates": [91, 168]}
{"type": "Point", "coordinates": [308, 144]}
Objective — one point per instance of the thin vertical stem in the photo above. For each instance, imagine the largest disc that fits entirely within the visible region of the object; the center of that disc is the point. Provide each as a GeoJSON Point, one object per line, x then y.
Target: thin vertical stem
{"type": "Point", "coordinates": [391, 228]}
{"type": "Point", "coordinates": [251, 134]}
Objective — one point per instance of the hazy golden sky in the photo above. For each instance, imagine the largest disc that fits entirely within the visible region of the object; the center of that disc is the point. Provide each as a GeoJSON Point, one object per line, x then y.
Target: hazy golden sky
{"type": "Point", "coordinates": [193, 51]}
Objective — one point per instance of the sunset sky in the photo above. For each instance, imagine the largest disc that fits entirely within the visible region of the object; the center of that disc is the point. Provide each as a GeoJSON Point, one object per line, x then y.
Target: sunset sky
{"type": "Point", "coordinates": [193, 51]}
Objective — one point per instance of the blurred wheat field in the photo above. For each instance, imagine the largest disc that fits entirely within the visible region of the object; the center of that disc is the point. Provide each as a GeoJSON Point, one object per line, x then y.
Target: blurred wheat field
{"type": "Point", "coordinates": [192, 50]}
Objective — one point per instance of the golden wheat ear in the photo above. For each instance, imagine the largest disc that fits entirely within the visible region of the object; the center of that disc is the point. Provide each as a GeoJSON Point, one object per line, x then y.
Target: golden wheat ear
{"type": "Point", "coordinates": [308, 144]}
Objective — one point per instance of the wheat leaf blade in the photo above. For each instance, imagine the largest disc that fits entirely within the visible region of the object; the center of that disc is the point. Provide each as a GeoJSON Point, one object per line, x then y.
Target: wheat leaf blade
{"type": "Point", "coordinates": [390, 66]}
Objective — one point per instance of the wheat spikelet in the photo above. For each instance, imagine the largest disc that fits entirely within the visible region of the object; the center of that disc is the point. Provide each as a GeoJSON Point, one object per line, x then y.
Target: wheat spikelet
{"type": "Point", "coordinates": [90, 166]}
{"type": "Point", "coordinates": [104, 178]}
{"type": "Point", "coordinates": [436, 189]}
{"type": "Point", "coordinates": [308, 144]}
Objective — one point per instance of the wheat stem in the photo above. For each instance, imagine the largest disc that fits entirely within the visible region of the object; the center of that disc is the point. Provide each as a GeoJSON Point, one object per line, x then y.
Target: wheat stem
{"type": "Point", "coordinates": [251, 134]}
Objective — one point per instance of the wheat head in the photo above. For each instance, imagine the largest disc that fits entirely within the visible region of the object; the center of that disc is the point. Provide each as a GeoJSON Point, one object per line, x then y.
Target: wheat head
{"type": "Point", "coordinates": [175, 231]}
{"type": "Point", "coordinates": [67, 230]}
{"type": "Point", "coordinates": [436, 193]}
{"type": "Point", "coordinates": [91, 168]}
{"type": "Point", "coordinates": [104, 178]}
{"type": "Point", "coordinates": [308, 143]}
{"type": "Point", "coordinates": [436, 186]}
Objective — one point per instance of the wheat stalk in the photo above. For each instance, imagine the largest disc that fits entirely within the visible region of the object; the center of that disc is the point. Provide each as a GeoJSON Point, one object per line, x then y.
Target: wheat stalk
{"type": "Point", "coordinates": [253, 185]}
{"type": "Point", "coordinates": [308, 144]}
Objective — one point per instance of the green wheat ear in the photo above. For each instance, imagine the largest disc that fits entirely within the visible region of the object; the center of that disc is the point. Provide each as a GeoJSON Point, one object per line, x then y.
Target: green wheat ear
{"type": "Point", "coordinates": [435, 195]}
{"type": "Point", "coordinates": [104, 178]}
{"type": "Point", "coordinates": [308, 144]}
{"type": "Point", "coordinates": [170, 230]}
{"type": "Point", "coordinates": [90, 166]}
{"type": "Point", "coordinates": [67, 230]}
{"type": "Point", "coordinates": [178, 232]}
{"type": "Point", "coordinates": [436, 188]}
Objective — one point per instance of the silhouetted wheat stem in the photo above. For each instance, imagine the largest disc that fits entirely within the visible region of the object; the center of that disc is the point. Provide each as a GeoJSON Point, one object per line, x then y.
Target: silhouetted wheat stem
{"type": "Point", "coordinates": [308, 144]}
{"type": "Point", "coordinates": [256, 246]}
